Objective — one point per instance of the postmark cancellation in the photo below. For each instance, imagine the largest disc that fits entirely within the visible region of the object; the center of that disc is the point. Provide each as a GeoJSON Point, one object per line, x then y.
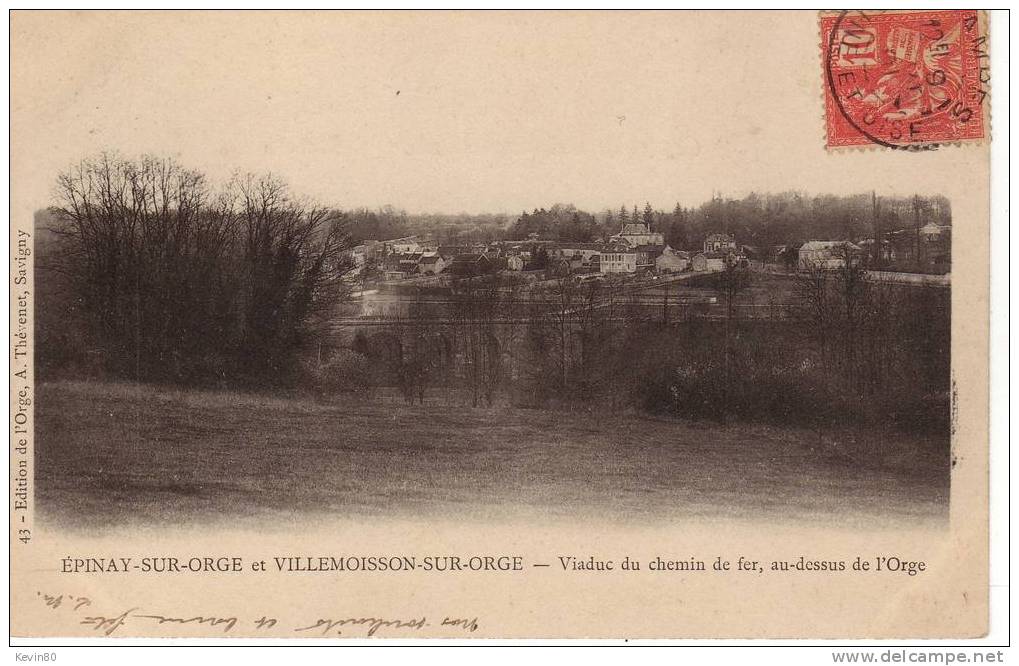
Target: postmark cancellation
{"type": "Point", "coordinates": [905, 80]}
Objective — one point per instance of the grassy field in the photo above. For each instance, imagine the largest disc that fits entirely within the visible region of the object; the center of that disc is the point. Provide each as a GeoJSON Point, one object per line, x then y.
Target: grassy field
{"type": "Point", "coordinates": [764, 289]}
{"type": "Point", "coordinates": [118, 454]}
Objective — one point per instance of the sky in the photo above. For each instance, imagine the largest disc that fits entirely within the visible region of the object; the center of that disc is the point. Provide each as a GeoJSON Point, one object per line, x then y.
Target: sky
{"type": "Point", "coordinates": [448, 112]}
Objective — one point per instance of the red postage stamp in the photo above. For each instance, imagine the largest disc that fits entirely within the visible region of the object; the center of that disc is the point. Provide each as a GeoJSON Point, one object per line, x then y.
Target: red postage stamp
{"type": "Point", "coordinates": [908, 80]}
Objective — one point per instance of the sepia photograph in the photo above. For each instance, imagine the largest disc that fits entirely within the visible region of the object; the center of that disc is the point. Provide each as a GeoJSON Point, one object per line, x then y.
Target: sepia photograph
{"type": "Point", "coordinates": [478, 324]}
{"type": "Point", "coordinates": [208, 353]}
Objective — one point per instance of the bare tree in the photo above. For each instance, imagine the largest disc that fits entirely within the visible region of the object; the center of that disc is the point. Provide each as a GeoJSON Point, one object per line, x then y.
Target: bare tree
{"type": "Point", "coordinates": [292, 261]}
{"type": "Point", "coordinates": [570, 337]}
{"type": "Point", "coordinates": [877, 335]}
{"type": "Point", "coordinates": [143, 242]}
{"type": "Point", "coordinates": [851, 290]}
{"type": "Point", "coordinates": [476, 309]}
{"type": "Point", "coordinates": [729, 283]}
{"type": "Point", "coordinates": [185, 284]}
{"type": "Point", "coordinates": [553, 327]}
{"type": "Point", "coordinates": [849, 316]}
{"type": "Point", "coordinates": [817, 306]}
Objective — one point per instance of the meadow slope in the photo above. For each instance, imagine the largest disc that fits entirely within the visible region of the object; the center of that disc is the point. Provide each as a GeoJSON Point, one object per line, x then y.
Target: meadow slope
{"type": "Point", "coordinates": [115, 454]}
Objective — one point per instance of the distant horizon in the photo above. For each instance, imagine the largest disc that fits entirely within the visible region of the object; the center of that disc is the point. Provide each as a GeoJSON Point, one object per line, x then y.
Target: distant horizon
{"type": "Point", "coordinates": [597, 210]}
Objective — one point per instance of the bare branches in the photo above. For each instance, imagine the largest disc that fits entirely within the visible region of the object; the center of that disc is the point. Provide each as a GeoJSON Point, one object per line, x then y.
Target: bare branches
{"type": "Point", "coordinates": [478, 303]}
{"type": "Point", "coordinates": [185, 283]}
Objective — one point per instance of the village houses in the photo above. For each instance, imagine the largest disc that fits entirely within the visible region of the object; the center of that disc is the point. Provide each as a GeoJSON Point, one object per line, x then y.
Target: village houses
{"type": "Point", "coordinates": [719, 243]}
{"type": "Point", "coordinates": [431, 264]}
{"type": "Point", "coordinates": [637, 234]}
{"type": "Point", "coordinates": [719, 249]}
{"type": "Point", "coordinates": [672, 261]}
{"type": "Point", "coordinates": [828, 255]}
{"type": "Point", "coordinates": [618, 260]}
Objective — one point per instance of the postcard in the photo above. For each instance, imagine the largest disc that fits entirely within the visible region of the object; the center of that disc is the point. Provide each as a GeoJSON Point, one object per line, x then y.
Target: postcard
{"type": "Point", "coordinates": [470, 325]}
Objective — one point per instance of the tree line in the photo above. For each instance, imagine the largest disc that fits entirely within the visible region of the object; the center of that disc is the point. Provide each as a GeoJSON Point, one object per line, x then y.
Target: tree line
{"type": "Point", "coordinates": [766, 220]}
{"type": "Point", "coordinates": [553, 344]}
{"type": "Point", "coordinates": [150, 272]}
{"type": "Point", "coordinates": [850, 352]}
{"type": "Point", "coordinates": [172, 279]}
{"type": "Point", "coordinates": [847, 352]}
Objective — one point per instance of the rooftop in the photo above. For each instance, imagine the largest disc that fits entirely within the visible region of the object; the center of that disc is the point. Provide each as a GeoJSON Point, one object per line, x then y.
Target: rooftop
{"type": "Point", "coordinates": [634, 229]}
{"type": "Point", "coordinates": [579, 246]}
{"type": "Point", "coordinates": [828, 244]}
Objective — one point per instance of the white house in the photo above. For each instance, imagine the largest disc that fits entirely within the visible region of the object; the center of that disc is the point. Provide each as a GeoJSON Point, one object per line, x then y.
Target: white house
{"type": "Point", "coordinates": [618, 261]}
{"type": "Point", "coordinates": [575, 256]}
{"type": "Point", "coordinates": [367, 250]}
{"type": "Point", "coordinates": [672, 261]}
{"type": "Point", "coordinates": [709, 261]}
{"type": "Point", "coordinates": [719, 243]}
{"type": "Point", "coordinates": [409, 245]}
{"type": "Point", "coordinates": [431, 264]}
{"type": "Point", "coordinates": [828, 255]}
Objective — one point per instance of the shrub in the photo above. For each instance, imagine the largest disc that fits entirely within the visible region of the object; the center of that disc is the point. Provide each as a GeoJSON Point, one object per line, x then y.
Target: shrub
{"type": "Point", "coordinates": [346, 371]}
